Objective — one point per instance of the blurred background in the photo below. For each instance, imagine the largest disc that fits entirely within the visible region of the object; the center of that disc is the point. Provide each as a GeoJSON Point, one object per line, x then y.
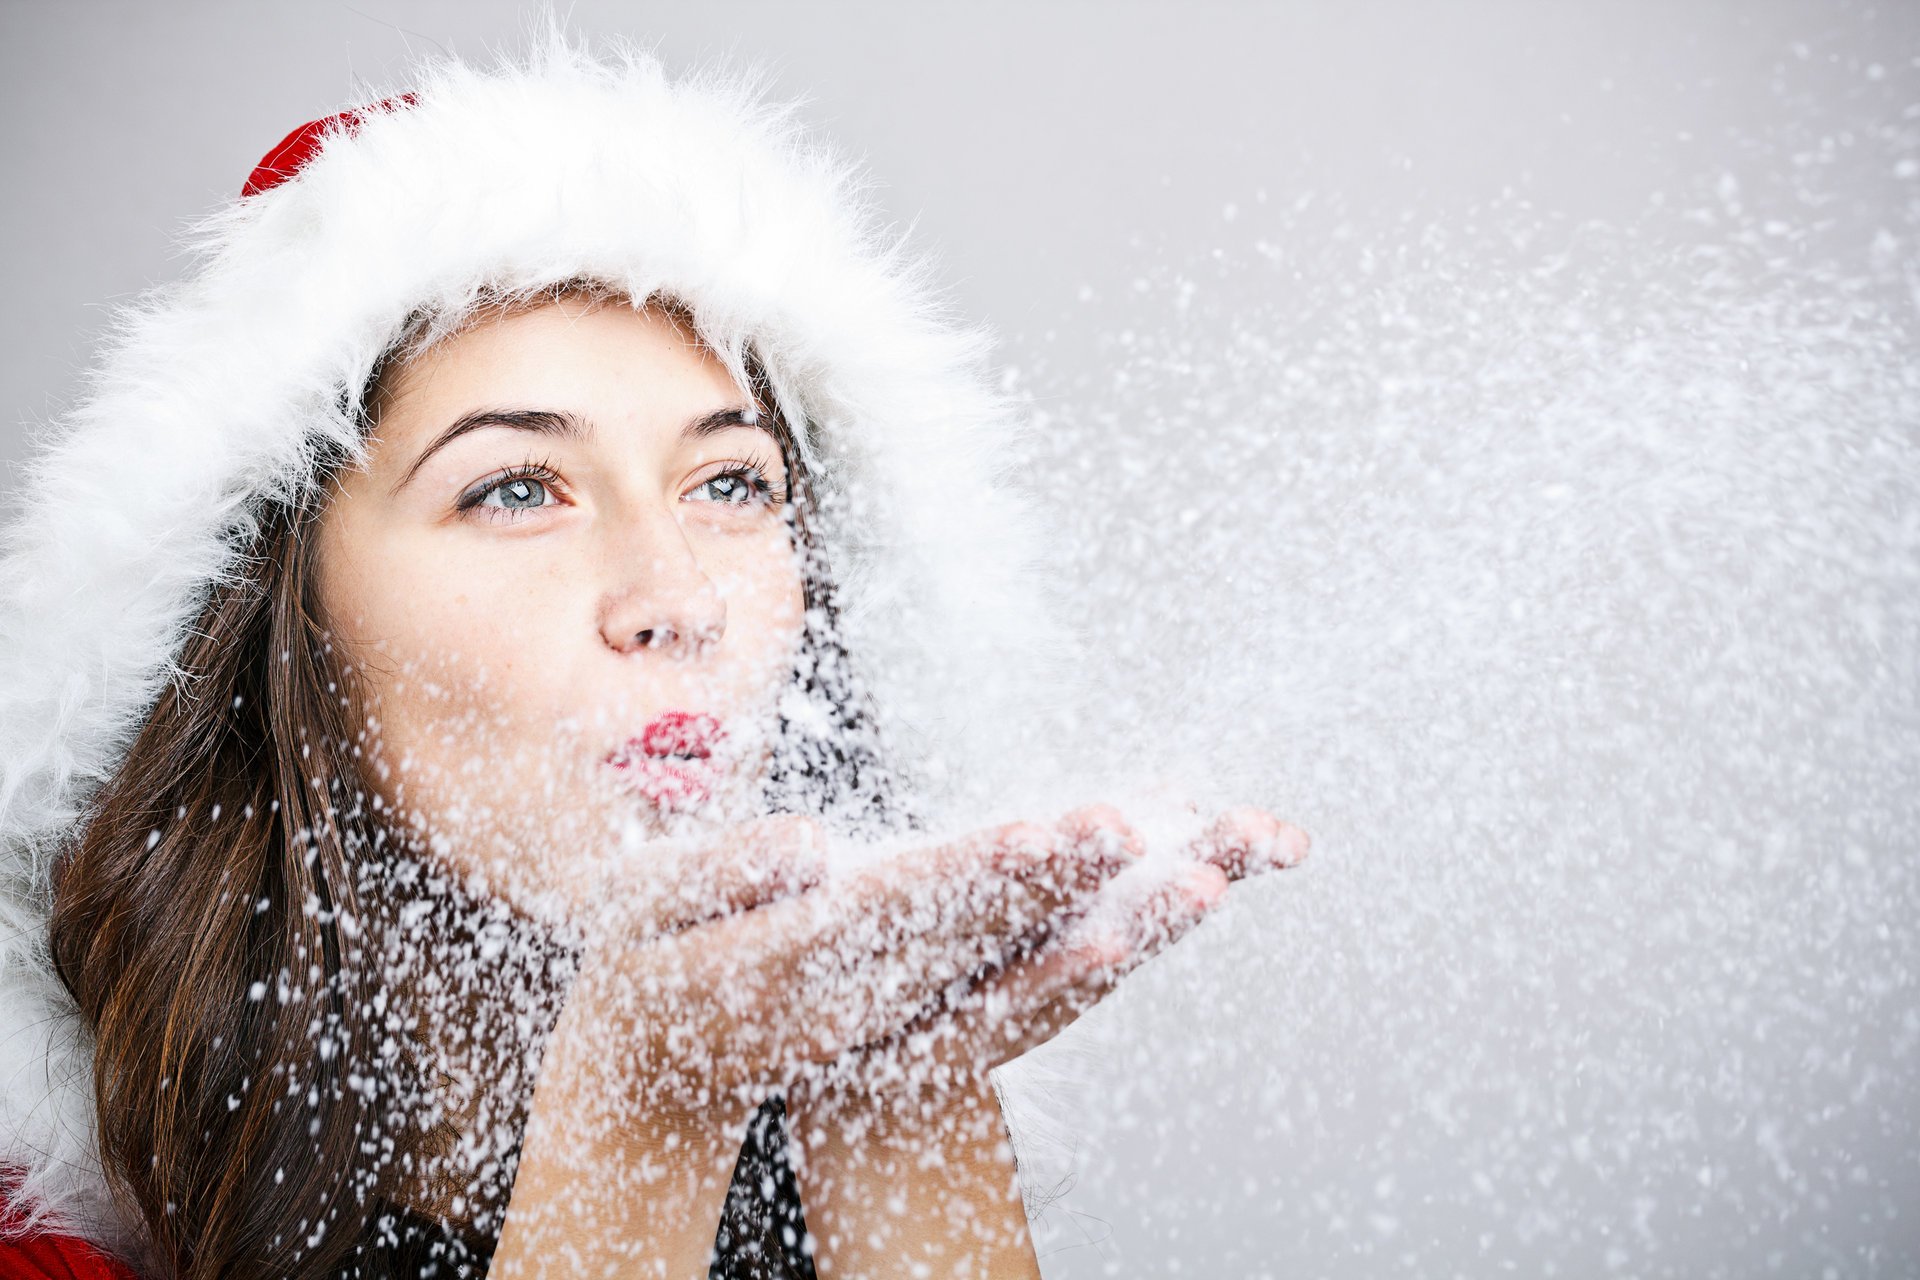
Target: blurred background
{"type": "Point", "coordinates": [1487, 434]}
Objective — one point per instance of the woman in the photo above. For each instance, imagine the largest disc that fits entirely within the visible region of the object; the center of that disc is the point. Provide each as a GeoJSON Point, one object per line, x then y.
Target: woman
{"type": "Point", "coordinates": [441, 656]}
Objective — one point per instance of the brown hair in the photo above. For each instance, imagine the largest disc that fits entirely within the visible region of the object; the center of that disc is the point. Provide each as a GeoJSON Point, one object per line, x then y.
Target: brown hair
{"type": "Point", "coordinates": [223, 923]}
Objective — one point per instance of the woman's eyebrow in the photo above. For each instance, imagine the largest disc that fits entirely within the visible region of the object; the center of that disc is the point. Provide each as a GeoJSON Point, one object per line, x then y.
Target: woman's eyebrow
{"type": "Point", "coordinates": [570, 426]}
{"type": "Point", "coordinates": [544, 421]}
{"type": "Point", "coordinates": [721, 419]}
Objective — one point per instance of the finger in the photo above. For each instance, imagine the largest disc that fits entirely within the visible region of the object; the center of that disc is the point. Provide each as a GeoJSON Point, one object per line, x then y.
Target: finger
{"type": "Point", "coordinates": [751, 865]}
{"type": "Point", "coordinates": [1029, 1002]}
{"type": "Point", "coordinates": [976, 897]}
{"type": "Point", "coordinates": [1103, 827]}
{"type": "Point", "coordinates": [1152, 918]}
{"type": "Point", "coordinates": [670, 885]}
{"type": "Point", "coordinates": [807, 979]}
{"type": "Point", "coordinates": [1244, 841]}
{"type": "Point", "coordinates": [873, 953]}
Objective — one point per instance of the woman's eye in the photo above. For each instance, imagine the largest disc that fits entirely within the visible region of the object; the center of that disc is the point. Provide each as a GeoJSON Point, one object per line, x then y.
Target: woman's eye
{"type": "Point", "coordinates": [733, 487]}
{"type": "Point", "coordinates": [515, 493]}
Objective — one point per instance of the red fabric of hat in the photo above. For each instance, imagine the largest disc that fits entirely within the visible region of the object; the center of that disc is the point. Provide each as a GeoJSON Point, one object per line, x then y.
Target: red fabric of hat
{"type": "Point", "coordinates": [300, 146]}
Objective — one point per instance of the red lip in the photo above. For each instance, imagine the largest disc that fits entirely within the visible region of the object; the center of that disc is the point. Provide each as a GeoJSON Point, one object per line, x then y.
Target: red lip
{"type": "Point", "coordinates": [685, 734]}
{"type": "Point", "coordinates": [672, 785]}
{"type": "Point", "coordinates": [671, 762]}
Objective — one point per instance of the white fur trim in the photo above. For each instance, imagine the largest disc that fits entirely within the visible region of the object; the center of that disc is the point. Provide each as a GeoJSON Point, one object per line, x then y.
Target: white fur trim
{"type": "Point", "coordinates": [217, 391]}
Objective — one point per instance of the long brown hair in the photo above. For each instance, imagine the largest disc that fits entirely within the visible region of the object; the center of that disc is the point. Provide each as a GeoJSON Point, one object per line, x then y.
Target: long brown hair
{"type": "Point", "coordinates": [223, 918]}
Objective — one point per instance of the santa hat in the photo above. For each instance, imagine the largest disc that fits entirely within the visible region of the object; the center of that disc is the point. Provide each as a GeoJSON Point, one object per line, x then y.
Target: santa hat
{"type": "Point", "coordinates": [220, 393]}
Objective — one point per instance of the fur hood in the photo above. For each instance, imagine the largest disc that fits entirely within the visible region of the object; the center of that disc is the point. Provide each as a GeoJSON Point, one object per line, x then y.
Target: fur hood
{"type": "Point", "coordinates": [222, 391]}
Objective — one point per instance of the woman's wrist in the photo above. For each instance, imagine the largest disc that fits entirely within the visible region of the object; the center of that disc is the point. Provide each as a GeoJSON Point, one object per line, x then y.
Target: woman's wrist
{"type": "Point", "coordinates": [892, 1179]}
{"type": "Point", "coordinates": [608, 1189]}
{"type": "Point", "coordinates": [625, 1206]}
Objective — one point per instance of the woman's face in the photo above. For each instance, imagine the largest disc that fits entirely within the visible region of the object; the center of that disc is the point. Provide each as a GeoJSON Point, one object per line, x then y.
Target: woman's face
{"type": "Point", "coordinates": [565, 575]}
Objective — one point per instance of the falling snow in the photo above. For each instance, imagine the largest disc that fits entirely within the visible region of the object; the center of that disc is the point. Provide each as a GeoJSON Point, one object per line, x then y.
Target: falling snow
{"type": "Point", "coordinates": [1563, 579]}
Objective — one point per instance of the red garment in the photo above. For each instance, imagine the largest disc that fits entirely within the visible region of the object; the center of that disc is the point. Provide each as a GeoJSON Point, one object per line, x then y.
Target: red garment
{"type": "Point", "coordinates": [48, 1253]}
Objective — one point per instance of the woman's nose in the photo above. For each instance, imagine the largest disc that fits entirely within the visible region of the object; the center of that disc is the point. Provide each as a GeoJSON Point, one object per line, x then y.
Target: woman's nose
{"type": "Point", "coordinates": [666, 600]}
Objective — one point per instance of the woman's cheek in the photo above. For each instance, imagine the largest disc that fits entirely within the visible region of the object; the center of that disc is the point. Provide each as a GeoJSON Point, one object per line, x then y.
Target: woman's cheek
{"type": "Point", "coordinates": [765, 575]}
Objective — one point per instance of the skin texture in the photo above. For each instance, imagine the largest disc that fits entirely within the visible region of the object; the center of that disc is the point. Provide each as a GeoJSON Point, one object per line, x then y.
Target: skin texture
{"type": "Point", "coordinates": [513, 645]}
{"type": "Point", "coordinates": [507, 649]}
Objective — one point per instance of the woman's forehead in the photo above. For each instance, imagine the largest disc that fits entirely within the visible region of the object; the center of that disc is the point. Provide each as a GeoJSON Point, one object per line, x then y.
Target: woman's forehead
{"type": "Point", "coordinates": [594, 358]}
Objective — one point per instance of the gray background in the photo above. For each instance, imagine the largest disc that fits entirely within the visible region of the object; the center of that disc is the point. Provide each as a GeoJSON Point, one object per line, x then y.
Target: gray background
{"type": "Point", "coordinates": [1503, 424]}
{"type": "Point", "coordinates": [1039, 148]}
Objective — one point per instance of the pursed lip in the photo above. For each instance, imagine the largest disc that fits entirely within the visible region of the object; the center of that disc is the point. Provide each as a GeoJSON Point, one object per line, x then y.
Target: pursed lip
{"type": "Point", "coordinates": [687, 734]}
{"type": "Point", "coordinates": [670, 761]}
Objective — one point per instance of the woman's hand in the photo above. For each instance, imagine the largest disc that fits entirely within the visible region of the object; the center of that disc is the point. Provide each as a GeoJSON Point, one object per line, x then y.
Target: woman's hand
{"type": "Point", "coordinates": [913, 1121]}
{"type": "Point", "coordinates": [691, 1003]}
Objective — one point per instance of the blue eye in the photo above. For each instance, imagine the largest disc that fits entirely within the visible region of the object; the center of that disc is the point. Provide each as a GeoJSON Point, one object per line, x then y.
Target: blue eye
{"type": "Point", "coordinates": [524, 488]}
{"type": "Point", "coordinates": [517, 494]}
{"type": "Point", "coordinates": [732, 488]}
